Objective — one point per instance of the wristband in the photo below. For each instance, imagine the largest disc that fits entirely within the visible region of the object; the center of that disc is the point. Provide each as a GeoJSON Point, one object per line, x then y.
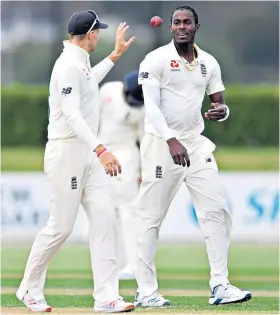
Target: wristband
{"type": "Point", "coordinates": [101, 152]}
{"type": "Point", "coordinates": [227, 114]}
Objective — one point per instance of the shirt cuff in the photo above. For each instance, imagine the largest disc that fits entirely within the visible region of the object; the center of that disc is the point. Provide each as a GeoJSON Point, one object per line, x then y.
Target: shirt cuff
{"type": "Point", "coordinates": [108, 62]}
{"type": "Point", "coordinates": [168, 134]}
{"type": "Point", "coordinates": [227, 114]}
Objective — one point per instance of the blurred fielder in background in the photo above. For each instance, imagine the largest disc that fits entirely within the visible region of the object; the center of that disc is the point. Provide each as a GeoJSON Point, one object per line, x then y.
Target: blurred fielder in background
{"type": "Point", "coordinates": [175, 78]}
{"type": "Point", "coordinates": [73, 163]}
{"type": "Point", "coordinates": [121, 128]}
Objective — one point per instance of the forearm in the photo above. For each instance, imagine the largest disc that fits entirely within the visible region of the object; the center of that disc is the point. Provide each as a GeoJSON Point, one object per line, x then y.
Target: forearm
{"type": "Point", "coordinates": [77, 123]}
{"type": "Point", "coordinates": [152, 101]}
{"type": "Point", "coordinates": [114, 56]}
{"type": "Point", "coordinates": [102, 68]}
{"type": "Point", "coordinates": [83, 132]}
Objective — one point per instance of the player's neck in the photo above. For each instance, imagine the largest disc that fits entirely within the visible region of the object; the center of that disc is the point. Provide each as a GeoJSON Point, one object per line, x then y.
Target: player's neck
{"type": "Point", "coordinates": [81, 44]}
{"type": "Point", "coordinates": [185, 50]}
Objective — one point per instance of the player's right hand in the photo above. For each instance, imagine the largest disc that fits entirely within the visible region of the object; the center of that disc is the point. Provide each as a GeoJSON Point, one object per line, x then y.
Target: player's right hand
{"type": "Point", "coordinates": [121, 45]}
{"type": "Point", "coordinates": [178, 152]}
{"type": "Point", "coordinates": [110, 163]}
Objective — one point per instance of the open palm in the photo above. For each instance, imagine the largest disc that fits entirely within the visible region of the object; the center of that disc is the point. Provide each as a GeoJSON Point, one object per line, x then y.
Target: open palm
{"type": "Point", "coordinates": [122, 45]}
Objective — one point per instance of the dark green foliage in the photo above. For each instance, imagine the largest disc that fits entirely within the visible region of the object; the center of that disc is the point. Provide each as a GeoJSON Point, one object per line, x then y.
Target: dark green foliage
{"type": "Point", "coordinates": [253, 119]}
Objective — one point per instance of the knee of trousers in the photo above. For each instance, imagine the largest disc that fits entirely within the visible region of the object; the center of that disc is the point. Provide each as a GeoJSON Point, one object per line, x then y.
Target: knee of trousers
{"type": "Point", "coordinates": [215, 222]}
{"type": "Point", "coordinates": [150, 217]}
{"type": "Point", "coordinates": [151, 210]}
{"type": "Point", "coordinates": [60, 231]}
{"type": "Point", "coordinates": [149, 228]}
{"type": "Point", "coordinates": [153, 222]}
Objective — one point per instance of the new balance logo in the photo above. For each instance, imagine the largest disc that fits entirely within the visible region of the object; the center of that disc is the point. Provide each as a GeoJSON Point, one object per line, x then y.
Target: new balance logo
{"type": "Point", "coordinates": [114, 303]}
{"type": "Point", "coordinates": [143, 75]}
{"type": "Point", "coordinates": [158, 172]}
{"type": "Point", "coordinates": [66, 91]}
{"type": "Point", "coordinates": [74, 184]}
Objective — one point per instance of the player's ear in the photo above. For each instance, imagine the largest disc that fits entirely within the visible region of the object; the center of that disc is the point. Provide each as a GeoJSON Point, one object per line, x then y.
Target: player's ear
{"type": "Point", "coordinates": [197, 26]}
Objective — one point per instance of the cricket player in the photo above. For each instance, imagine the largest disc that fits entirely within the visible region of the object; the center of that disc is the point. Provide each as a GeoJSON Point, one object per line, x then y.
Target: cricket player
{"type": "Point", "coordinates": [76, 163]}
{"type": "Point", "coordinates": [174, 79]}
{"type": "Point", "coordinates": [121, 128]}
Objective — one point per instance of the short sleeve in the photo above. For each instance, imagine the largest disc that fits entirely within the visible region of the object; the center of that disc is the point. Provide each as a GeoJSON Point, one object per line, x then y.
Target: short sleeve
{"type": "Point", "coordinates": [149, 72]}
{"type": "Point", "coordinates": [215, 83]}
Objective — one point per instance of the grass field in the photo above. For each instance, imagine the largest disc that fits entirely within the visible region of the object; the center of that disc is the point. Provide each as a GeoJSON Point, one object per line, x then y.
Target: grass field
{"type": "Point", "coordinates": [182, 272]}
{"type": "Point", "coordinates": [249, 159]}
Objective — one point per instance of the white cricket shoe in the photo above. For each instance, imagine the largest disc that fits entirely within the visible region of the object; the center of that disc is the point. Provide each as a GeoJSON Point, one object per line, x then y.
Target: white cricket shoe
{"type": "Point", "coordinates": [117, 306]}
{"type": "Point", "coordinates": [36, 303]}
{"type": "Point", "coordinates": [154, 300]}
{"type": "Point", "coordinates": [229, 294]}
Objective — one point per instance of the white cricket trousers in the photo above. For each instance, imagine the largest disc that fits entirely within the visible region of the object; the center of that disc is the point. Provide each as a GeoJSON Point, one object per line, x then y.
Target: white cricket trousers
{"type": "Point", "coordinates": [76, 177]}
{"type": "Point", "coordinates": [126, 202]}
{"type": "Point", "coordinates": [161, 179]}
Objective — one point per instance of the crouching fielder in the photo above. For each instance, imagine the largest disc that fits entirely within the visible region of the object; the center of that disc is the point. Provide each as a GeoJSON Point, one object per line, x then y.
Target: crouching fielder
{"type": "Point", "coordinates": [121, 127]}
{"type": "Point", "coordinates": [175, 78]}
{"type": "Point", "coordinates": [76, 164]}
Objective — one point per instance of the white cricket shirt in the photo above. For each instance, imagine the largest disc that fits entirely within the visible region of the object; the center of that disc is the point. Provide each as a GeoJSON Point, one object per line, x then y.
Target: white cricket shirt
{"type": "Point", "coordinates": [121, 125]}
{"type": "Point", "coordinates": [74, 95]}
{"type": "Point", "coordinates": [181, 91]}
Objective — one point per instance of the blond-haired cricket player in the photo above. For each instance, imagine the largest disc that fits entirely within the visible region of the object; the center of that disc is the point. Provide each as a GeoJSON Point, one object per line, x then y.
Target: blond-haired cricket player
{"type": "Point", "coordinates": [76, 163]}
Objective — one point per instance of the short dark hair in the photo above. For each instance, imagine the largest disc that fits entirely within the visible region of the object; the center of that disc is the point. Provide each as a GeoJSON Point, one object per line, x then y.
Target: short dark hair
{"type": "Point", "coordinates": [186, 7]}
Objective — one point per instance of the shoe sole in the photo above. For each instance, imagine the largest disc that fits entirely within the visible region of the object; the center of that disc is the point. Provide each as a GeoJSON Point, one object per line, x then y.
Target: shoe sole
{"type": "Point", "coordinates": [48, 310]}
{"type": "Point", "coordinates": [128, 309]}
{"type": "Point", "coordinates": [125, 310]}
{"type": "Point", "coordinates": [246, 298]}
{"type": "Point", "coordinates": [163, 305]}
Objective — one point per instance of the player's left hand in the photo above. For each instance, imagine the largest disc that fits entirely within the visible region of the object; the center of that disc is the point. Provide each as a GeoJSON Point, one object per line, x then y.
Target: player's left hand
{"type": "Point", "coordinates": [121, 45]}
{"type": "Point", "coordinates": [110, 164]}
{"type": "Point", "coordinates": [219, 111]}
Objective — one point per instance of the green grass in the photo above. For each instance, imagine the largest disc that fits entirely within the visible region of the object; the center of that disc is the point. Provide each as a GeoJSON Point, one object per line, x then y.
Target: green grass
{"type": "Point", "coordinates": [244, 260]}
{"type": "Point", "coordinates": [164, 284]}
{"type": "Point", "coordinates": [179, 304]}
{"type": "Point", "coordinates": [248, 159]}
{"type": "Point", "coordinates": [228, 158]}
{"type": "Point", "coordinates": [22, 159]}
{"type": "Point", "coordinates": [173, 261]}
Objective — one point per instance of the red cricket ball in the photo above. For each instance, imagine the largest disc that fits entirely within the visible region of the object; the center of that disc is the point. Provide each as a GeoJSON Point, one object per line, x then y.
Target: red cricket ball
{"type": "Point", "coordinates": [156, 21]}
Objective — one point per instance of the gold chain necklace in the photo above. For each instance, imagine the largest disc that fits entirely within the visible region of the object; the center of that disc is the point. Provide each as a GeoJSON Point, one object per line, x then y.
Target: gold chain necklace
{"type": "Point", "coordinates": [185, 63]}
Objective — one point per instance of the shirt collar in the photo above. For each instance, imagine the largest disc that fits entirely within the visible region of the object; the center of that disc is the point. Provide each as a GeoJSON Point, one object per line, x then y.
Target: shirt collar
{"type": "Point", "coordinates": [76, 50]}
{"type": "Point", "coordinates": [175, 55]}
